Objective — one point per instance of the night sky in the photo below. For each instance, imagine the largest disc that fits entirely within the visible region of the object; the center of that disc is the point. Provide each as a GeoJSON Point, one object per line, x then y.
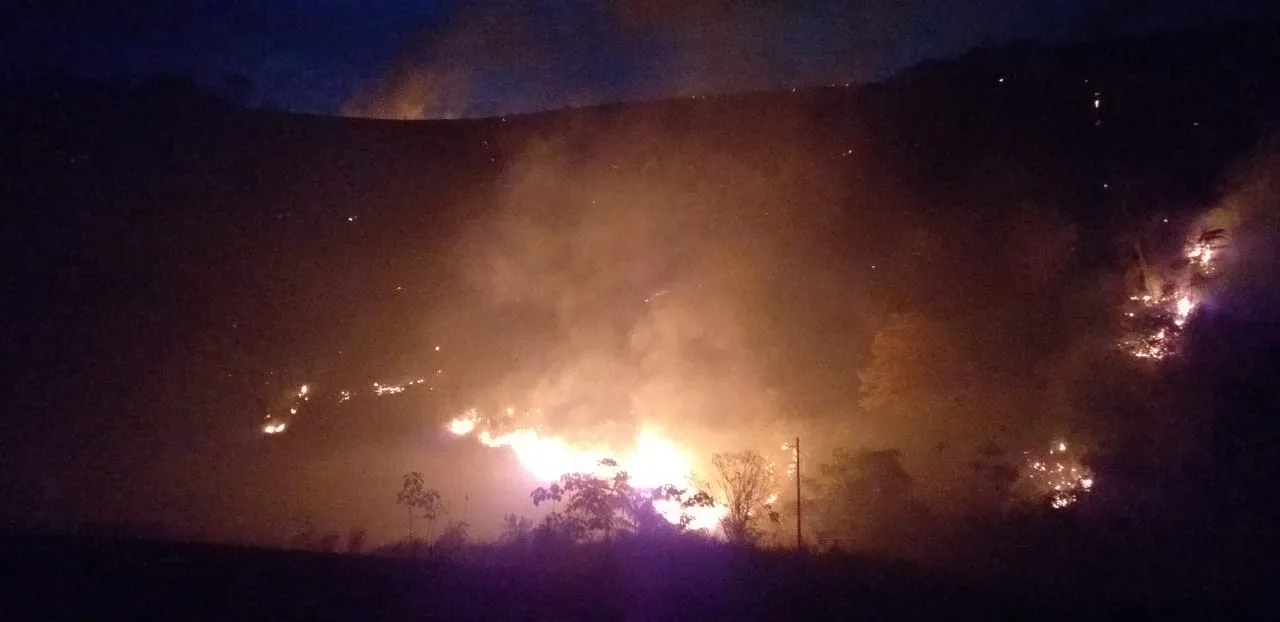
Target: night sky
{"type": "Point", "coordinates": [459, 58]}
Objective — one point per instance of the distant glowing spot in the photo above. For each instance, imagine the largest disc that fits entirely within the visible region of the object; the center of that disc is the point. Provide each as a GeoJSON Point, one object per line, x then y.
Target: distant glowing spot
{"type": "Point", "coordinates": [1061, 479]}
{"type": "Point", "coordinates": [293, 411]}
{"type": "Point", "coordinates": [464, 424]}
{"type": "Point", "coordinates": [437, 348]}
{"type": "Point", "coordinates": [274, 428]}
{"type": "Point", "coordinates": [344, 395]}
{"type": "Point", "coordinates": [386, 389]}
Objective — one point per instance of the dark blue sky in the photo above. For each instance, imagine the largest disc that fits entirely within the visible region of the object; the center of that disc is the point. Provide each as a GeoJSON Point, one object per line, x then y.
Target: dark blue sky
{"type": "Point", "coordinates": [451, 58]}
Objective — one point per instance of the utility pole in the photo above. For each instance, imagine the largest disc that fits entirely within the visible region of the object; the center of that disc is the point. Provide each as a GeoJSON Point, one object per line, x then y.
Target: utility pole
{"type": "Point", "coordinates": [799, 533]}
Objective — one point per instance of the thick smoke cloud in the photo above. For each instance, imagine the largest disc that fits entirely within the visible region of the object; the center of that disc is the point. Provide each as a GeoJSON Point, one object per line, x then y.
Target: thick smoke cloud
{"type": "Point", "coordinates": [1250, 211]}
{"type": "Point", "coordinates": [644, 282]}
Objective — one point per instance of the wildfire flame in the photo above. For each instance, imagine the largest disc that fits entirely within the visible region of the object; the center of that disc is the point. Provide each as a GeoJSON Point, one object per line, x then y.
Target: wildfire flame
{"type": "Point", "coordinates": [1157, 321]}
{"type": "Point", "coordinates": [1059, 477]}
{"type": "Point", "coordinates": [1201, 255]}
{"type": "Point", "coordinates": [653, 461]}
{"type": "Point", "coordinates": [463, 425]}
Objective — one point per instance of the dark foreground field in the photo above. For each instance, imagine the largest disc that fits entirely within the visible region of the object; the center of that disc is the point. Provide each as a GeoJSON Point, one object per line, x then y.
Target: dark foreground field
{"type": "Point", "coordinates": [49, 578]}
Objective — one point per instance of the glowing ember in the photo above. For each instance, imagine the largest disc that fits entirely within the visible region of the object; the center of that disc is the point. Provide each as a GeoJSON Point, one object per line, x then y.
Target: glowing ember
{"type": "Point", "coordinates": [1059, 477]}
{"type": "Point", "coordinates": [1154, 324]}
{"type": "Point", "coordinates": [387, 389]}
{"type": "Point", "coordinates": [274, 428]}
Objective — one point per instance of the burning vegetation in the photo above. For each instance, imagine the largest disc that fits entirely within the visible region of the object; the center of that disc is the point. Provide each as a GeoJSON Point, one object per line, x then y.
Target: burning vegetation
{"type": "Point", "coordinates": [1056, 477]}
{"type": "Point", "coordinates": [672, 328]}
{"type": "Point", "coordinates": [1156, 316]}
{"type": "Point", "coordinates": [971, 317]}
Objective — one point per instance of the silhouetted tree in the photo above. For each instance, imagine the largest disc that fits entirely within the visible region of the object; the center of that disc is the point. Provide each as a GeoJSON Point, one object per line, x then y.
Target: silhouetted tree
{"type": "Point", "coordinates": [745, 480]}
{"type": "Point", "coordinates": [515, 529]}
{"type": "Point", "coordinates": [414, 495]}
{"type": "Point", "coordinates": [861, 495]}
{"type": "Point", "coordinates": [919, 377]}
{"type": "Point", "coordinates": [600, 507]}
{"type": "Point", "coordinates": [454, 536]}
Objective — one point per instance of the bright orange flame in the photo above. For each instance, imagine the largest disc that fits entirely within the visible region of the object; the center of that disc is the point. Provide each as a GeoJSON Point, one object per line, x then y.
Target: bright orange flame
{"type": "Point", "coordinates": [1185, 306]}
{"type": "Point", "coordinates": [546, 458]}
{"type": "Point", "coordinates": [653, 461]}
{"type": "Point", "coordinates": [464, 424]}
